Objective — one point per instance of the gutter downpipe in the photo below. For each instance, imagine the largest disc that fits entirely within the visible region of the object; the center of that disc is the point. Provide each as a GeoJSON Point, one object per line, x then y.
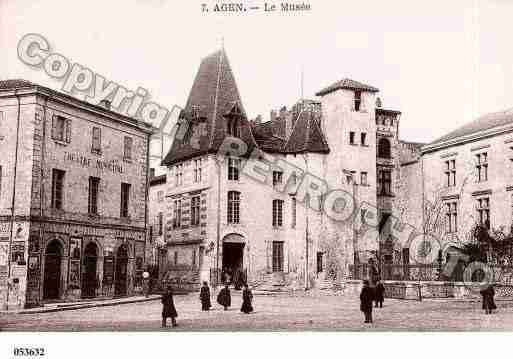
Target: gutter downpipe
{"type": "Point", "coordinates": [13, 200]}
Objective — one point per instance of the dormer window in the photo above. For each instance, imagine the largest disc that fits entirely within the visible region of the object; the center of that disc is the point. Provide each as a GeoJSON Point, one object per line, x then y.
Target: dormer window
{"type": "Point", "coordinates": [357, 100]}
{"type": "Point", "coordinates": [233, 127]}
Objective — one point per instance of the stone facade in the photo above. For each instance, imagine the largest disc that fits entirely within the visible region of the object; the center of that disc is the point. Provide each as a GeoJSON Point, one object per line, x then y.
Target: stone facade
{"type": "Point", "coordinates": [330, 143]}
{"type": "Point", "coordinates": [69, 250]}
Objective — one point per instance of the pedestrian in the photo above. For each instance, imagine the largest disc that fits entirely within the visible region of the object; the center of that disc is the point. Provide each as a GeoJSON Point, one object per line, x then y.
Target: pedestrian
{"type": "Point", "coordinates": [366, 297]}
{"type": "Point", "coordinates": [379, 292]}
{"type": "Point", "coordinates": [247, 297]}
{"type": "Point", "coordinates": [205, 297]}
{"type": "Point", "coordinates": [488, 301]}
{"type": "Point", "coordinates": [224, 298]}
{"type": "Point", "coordinates": [168, 307]}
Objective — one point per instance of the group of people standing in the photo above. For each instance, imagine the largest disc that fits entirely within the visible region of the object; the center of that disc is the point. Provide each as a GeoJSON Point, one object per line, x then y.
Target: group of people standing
{"type": "Point", "coordinates": [224, 298]}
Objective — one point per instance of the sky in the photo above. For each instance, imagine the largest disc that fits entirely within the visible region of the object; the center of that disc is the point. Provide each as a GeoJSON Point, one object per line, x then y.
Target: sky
{"type": "Point", "coordinates": [442, 63]}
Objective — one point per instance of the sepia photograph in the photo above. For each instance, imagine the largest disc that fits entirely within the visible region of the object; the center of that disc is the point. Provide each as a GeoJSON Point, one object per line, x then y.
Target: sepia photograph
{"type": "Point", "coordinates": [292, 168]}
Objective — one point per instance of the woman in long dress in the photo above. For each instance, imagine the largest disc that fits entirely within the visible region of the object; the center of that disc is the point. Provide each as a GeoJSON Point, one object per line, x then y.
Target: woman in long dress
{"type": "Point", "coordinates": [247, 297]}
{"type": "Point", "coordinates": [205, 297]}
{"type": "Point", "coordinates": [224, 298]}
{"type": "Point", "coordinates": [168, 308]}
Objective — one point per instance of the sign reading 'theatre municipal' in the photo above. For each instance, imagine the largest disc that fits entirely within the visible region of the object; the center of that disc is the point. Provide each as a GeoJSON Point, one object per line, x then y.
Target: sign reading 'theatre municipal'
{"type": "Point", "coordinates": [98, 163]}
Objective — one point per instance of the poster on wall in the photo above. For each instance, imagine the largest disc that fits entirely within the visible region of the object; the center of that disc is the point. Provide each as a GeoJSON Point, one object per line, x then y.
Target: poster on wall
{"type": "Point", "coordinates": [75, 248]}
{"type": "Point", "coordinates": [108, 270]}
{"type": "Point", "coordinates": [18, 253]}
{"type": "Point", "coordinates": [74, 274]}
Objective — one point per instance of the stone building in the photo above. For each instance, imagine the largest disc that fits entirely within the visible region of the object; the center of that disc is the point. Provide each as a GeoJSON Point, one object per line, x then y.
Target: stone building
{"type": "Point", "coordinates": [73, 197]}
{"type": "Point", "coordinates": [463, 178]}
{"type": "Point", "coordinates": [260, 211]}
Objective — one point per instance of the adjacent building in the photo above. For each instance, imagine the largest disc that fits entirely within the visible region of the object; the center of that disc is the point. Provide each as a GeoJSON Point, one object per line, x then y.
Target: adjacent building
{"type": "Point", "coordinates": [72, 199]}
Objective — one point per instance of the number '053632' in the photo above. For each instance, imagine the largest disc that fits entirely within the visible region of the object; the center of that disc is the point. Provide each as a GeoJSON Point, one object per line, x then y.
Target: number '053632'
{"type": "Point", "coordinates": [28, 352]}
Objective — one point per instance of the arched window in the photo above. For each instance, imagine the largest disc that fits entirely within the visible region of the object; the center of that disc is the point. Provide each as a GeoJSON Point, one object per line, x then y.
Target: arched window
{"type": "Point", "coordinates": [233, 213]}
{"type": "Point", "coordinates": [384, 148]}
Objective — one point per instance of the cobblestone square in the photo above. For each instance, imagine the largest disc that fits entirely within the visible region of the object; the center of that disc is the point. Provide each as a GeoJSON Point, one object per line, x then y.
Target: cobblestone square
{"type": "Point", "coordinates": [300, 312]}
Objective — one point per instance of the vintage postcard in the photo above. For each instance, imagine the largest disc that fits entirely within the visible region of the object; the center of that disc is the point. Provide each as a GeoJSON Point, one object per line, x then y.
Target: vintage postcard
{"type": "Point", "coordinates": [208, 166]}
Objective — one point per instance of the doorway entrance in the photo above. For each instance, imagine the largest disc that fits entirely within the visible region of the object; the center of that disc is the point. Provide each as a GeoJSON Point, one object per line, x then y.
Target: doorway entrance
{"type": "Point", "coordinates": [52, 274]}
{"type": "Point", "coordinates": [89, 280]}
{"type": "Point", "coordinates": [121, 274]}
{"type": "Point", "coordinates": [232, 261]}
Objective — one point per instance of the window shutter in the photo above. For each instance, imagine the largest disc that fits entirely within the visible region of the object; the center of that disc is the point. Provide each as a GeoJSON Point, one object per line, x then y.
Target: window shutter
{"type": "Point", "coordinates": [68, 131]}
{"type": "Point", "coordinates": [54, 127]}
{"type": "Point", "coordinates": [268, 255]}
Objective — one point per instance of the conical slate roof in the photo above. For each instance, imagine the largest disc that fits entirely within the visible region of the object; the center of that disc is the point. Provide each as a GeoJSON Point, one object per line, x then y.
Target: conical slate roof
{"type": "Point", "coordinates": [213, 98]}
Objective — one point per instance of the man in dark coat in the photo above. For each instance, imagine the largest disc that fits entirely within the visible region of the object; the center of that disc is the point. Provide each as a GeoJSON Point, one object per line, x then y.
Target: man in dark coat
{"type": "Point", "coordinates": [366, 298]}
{"type": "Point", "coordinates": [247, 297]}
{"type": "Point", "coordinates": [205, 297]}
{"type": "Point", "coordinates": [224, 298]}
{"type": "Point", "coordinates": [168, 308]}
{"type": "Point", "coordinates": [379, 293]}
{"type": "Point", "coordinates": [488, 302]}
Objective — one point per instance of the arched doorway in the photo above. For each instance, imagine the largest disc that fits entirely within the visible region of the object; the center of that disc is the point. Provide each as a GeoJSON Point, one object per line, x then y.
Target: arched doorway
{"type": "Point", "coordinates": [89, 279]}
{"type": "Point", "coordinates": [121, 274]}
{"type": "Point", "coordinates": [233, 258]}
{"type": "Point", "coordinates": [52, 275]}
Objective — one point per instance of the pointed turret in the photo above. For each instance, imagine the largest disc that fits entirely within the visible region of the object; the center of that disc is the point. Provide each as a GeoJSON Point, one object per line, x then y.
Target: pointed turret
{"type": "Point", "coordinates": [212, 109]}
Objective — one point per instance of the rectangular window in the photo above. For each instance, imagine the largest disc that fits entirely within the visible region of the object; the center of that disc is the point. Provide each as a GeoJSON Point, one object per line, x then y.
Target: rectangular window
{"type": "Point", "coordinates": [363, 178]}
{"type": "Point", "coordinates": [294, 212]}
{"type": "Point", "coordinates": [363, 138]}
{"type": "Point", "coordinates": [160, 223]}
{"type": "Point", "coordinates": [451, 217]}
{"type": "Point", "coordinates": [179, 175]}
{"type": "Point", "coordinates": [385, 183]}
{"type": "Point", "coordinates": [160, 196]}
{"type": "Point", "coordinates": [277, 213]}
{"type": "Point", "coordinates": [94, 185]}
{"type": "Point", "coordinates": [193, 259]}
{"type": "Point", "coordinates": [197, 170]}
{"type": "Point", "coordinates": [351, 138]}
{"type": "Point", "coordinates": [96, 146]}
{"type": "Point", "coordinates": [450, 173]}
{"type": "Point", "coordinates": [195, 211]}
{"type": "Point", "coordinates": [125, 199]}
{"type": "Point", "coordinates": [320, 267]}
{"type": "Point", "coordinates": [176, 258]}
{"type": "Point", "coordinates": [357, 100]}
{"type": "Point", "coordinates": [61, 129]}
{"type": "Point", "coordinates": [483, 211]}
{"type": "Point", "coordinates": [57, 188]}
{"type": "Point", "coordinates": [177, 213]}
{"type": "Point", "coordinates": [277, 256]}
{"type": "Point", "coordinates": [233, 169]}
{"type": "Point", "coordinates": [482, 167]}
{"type": "Point", "coordinates": [127, 148]}
{"type": "Point", "coordinates": [233, 207]}
{"type": "Point", "coordinates": [277, 177]}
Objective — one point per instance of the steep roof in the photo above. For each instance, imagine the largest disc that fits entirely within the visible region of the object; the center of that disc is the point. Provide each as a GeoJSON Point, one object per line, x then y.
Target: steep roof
{"type": "Point", "coordinates": [347, 84]}
{"type": "Point", "coordinates": [268, 136]}
{"type": "Point", "coordinates": [482, 123]}
{"type": "Point", "coordinates": [215, 96]}
{"type": "Point", "coordinates": [306, 136]}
